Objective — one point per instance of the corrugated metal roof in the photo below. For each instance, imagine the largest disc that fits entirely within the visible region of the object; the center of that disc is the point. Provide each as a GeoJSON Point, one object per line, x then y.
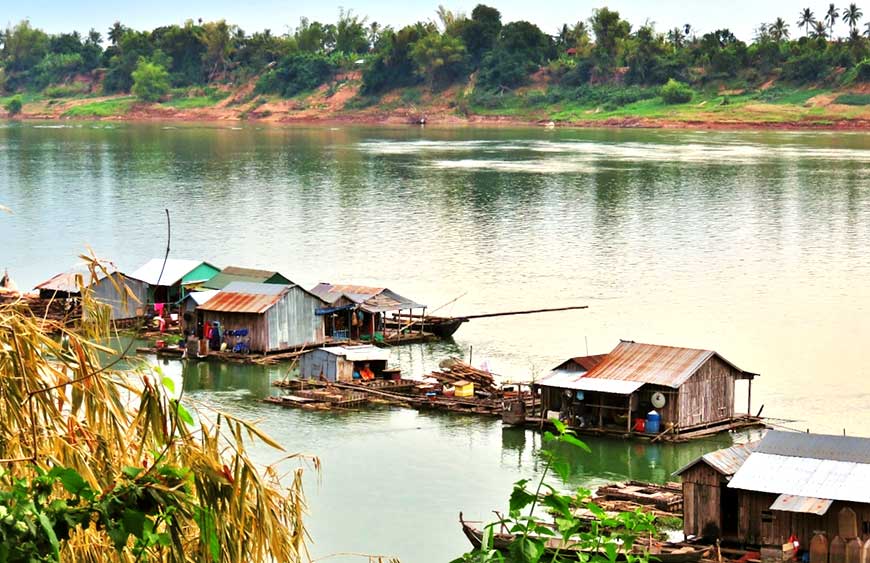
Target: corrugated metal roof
{"type": "Point", "coordinates": [816, 446]}
{"type": "Point", "coordinates": [201, 297]}
{"type": "Point", "coordinates": [243, 297]}
{"type": "Point", "coordinates": [585, 362]}
{"type": "Point", "coordinates": [67, 281]}
{"type": "Point", "coordinates": [235, 273]}
{"type": "Point", "coordinates": [573, 380]}
{"type": "Point", "coordinates": [726, 461]}
{"type": "Point", "coordinates": [649, 363]}
{"type": "Point", "coordinates": [807, 505]}
{"type": "Point", "coordinates": [819, 478]}
{"type": "Point", "coordinates": [370, 299]}
{"type": "Point", "coordinates": [251, 288]}
{"type": "Point", "coordinates": [363, 353]}
{"type": "Point", "coordinates": [173, 272]}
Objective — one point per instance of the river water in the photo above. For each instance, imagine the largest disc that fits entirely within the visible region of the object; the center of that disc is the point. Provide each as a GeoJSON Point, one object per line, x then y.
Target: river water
{"type": "Point", "coordinates": [752, 243]}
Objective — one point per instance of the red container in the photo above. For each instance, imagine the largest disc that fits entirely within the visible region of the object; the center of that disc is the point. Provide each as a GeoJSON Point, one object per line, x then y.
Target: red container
{"type": "Point", "coordinates": [639, 425]}
{"type": "Point", "coordinates": [160, 344]}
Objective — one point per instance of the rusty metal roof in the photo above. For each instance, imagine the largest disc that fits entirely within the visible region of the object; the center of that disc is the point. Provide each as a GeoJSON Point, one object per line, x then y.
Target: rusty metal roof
{"type": "Point", "coordinates": [370, 299]}
{"type": "Point", "coordinates": [244, 297]}
{"type": "Point", "coordinates": [68, 282]}
{"type": "Point", "coordinates": [649, 363]}
{"type": "Point", "coordinates": [725, 461]}
{"type": "Point", "coordinates": [796, 503]}
{"type": "Point", "coordinates": [585, 362]}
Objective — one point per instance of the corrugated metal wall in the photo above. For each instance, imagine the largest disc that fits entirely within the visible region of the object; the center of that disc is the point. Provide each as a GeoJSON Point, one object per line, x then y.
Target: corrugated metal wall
{"type": "Point", "coordinates": [105, 292]}
{"type": "Point", "coordinates": [317, 363]}
{"type": "Point", "coordinates": [292, 321]}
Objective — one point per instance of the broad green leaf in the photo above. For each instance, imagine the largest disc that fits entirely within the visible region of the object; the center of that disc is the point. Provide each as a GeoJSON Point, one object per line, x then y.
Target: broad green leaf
{"type": "Point", "coordinates": [562, 469]}
{"type": "Point", "coordinates": [133, 522]}
{"type": "Point", "coordinates": [132, 472]}
{"type": "Point", "coordinates": [520, 498]}
{"type": "Point", "coordinates": [574, 441]}
{"type": "Point", "coordinates": [49, 532]}
{"type": "Point", "coordinates": [169, 384]}
{"type": "Point", "coordinates": [560, 426]}
{"type": "Point", "coordinates": [184, 415]}
{"type": "Point", "coordinates": [72, 481]}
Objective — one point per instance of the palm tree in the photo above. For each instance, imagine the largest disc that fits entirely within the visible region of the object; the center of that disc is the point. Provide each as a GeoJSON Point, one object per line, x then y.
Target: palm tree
{"type": "Point", "coordinates": [778, 30]}
{"type": "Point", "coordinates": [820, 30]}
{"type": "Point", "coordinates": [806, 20]}
{"type": "Point", "coordinates": [831, 17]}
{"type": "Point", "coordinates": [675, 38]}
{"type": "Point", "coordinates": [116, 32]}
{"type": "Point", "coordinates": [852, 16]}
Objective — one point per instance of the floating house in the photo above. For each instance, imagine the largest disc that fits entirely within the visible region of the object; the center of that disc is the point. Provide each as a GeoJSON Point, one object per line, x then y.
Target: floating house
{"type": "Point", "coordinates": [172, 281]}
{"type": "Point", "coordinates": [358, 312]}
{"type": "Point", "coordinates": [689, 390]}
{"type": "Point", "coordinates": [125, 295]}
{"type": "Point", "coordinates": [790, 483]}
{"type": "Point", "coordinates": [277, 317]}
{"type": "Point", "coordinates": [232, 274]}
{"type": "Point", "coordinates": [341, 363]}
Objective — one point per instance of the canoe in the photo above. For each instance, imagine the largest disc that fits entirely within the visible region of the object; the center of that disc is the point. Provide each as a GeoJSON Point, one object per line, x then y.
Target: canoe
{"type": "Point", "coordinates": [442, 327]}
{"type": "Point", "coordinates": [667, 553]}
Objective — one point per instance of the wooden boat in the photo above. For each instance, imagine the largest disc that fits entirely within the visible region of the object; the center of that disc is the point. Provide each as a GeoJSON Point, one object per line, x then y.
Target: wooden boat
{"type": "Point", "coordinates": [662, 553]}
{"type": "Point", "coordinates": [442, 327]}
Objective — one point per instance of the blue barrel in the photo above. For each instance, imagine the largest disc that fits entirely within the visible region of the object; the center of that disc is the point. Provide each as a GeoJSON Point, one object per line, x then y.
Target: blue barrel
{"type": "Point", "coordinates": [653, 422]}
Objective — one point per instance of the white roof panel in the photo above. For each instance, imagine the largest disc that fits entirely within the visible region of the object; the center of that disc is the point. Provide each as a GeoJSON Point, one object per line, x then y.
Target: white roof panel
{"type": "Point", "coordinates": [364, 353]}
{"type": "Point", "coordinates": [569, 380]}
{"type": "Point", "coordinates": [201, 297]}
{"type": "Point", "coordinates": [806, 505]}
{"type": "Point", "coordinates": [807, 477]}
{"type": "Point", "coordinates": [173, 272]}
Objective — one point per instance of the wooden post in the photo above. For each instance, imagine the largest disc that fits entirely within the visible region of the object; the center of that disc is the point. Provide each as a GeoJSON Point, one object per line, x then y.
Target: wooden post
{"type": "Point", "coordinates": [423, 322]}
{"type": "Point", "coordinates": [749, 399]}
{"type": "Point", "coordinates": [628, 424]}
{"type": "Point", "coordinates": [600, 410]}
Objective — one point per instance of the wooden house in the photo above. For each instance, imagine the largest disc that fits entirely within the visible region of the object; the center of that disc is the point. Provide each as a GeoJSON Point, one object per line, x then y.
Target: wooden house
{"type": "Point", "coordinates": [790, 483]}
{"type": "Point", "coordinates": [232, 274]}
{"type": "Point", "coordinates": [277, 317]}
{"type": "Point", "coordinates": [358, 312]}
{"type": "Point", "coordinates": [170, 282]}
{"type": "Point", "coordinates": [125, 295]}
{"type": "Point", "coordinates": [692, 390]}
{"type": "Point", "coordinates": [339, 363]}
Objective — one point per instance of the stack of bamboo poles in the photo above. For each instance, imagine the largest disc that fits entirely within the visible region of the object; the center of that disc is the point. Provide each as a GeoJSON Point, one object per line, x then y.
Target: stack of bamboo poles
{"type": "Point", "coordinates": [453, 370]}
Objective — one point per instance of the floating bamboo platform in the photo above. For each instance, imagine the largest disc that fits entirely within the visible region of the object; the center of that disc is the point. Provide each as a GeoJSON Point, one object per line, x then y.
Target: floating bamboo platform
{"type": "Point", "coordinates": [739, 423]}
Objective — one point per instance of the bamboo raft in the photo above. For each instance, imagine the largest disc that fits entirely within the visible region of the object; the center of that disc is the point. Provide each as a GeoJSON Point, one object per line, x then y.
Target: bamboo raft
{"type": "Point", "coordinates": [319, 399]}
{"type": "Point", "coordinates": [667, 498]}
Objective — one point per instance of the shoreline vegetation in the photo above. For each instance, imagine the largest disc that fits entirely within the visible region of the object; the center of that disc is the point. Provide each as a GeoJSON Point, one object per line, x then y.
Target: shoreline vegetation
{"type": "Point", "coordinates": [452, 69]}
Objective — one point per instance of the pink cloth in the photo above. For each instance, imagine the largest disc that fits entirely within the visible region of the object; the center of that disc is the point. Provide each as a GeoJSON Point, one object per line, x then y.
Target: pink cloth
{"type": "Point", "coordinates": [158, 308]}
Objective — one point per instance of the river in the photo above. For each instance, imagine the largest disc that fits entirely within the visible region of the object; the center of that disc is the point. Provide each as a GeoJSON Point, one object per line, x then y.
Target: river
{"type": "Point", "coordinates": [750, 243]}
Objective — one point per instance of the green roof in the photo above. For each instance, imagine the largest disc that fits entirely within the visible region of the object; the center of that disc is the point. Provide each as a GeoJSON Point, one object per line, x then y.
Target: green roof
{"type": "Point", "coordinates": [235, 274]}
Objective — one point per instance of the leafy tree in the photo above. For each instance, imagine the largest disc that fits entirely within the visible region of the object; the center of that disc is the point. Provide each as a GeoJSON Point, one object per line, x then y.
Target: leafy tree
{"type": "Point", "coordinates": [392, 65]}
{"type": "Point", "coordinates": [503, 70]}
{"type": "Point", "coordinates": [439, 57]}
{"type": "Point", "coordinates": [258, 50]}
{"type": "Point", "coordinates": [186, 47]}
{"type": "Point", "coordinates": [14, 105]}
{"type": "Point", "coordinates": [150, 81]}
{"type": "Point", "coordinates": [218, 39]}
{"type": "Point", "coordinates": [610, 30]}
{"type": "Point", "coordinates": [807, 19]}
{"type": "Point", "coordinates": [675, 92]}
{"type": "Point", "coordinates": [526, 40]}
{"type": "Point", "coordinates": [645, 57]}
{"type": "Point", "coordinates": [481, 33]}
{"type": "Point", "coordinates": [124, 57]}
{"type": "Point", "coordinates": [23, 47]}
{"type": "Point", "coordinates": [351, 36]}
{"type": "Point", "coordinates": [314, 37]}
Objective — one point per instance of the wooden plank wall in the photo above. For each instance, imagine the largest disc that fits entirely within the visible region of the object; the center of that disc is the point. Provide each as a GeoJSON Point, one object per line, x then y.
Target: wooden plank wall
{"type": "Point", "coordinates": [761, 526]}
{"type": "Point", "coordinates": [708, 396]}
{"type": "Point", "coordinates": [701, 500]}
{"type": "Point", "coordinates": [258, 329]}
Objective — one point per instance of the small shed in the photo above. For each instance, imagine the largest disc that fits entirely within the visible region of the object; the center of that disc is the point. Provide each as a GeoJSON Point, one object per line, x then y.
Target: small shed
{"type": "Point", "coordinates": [359, 312]}
{"type": "Point", "coordinates": [338, 363]}
{"type": "Point", "coordinates": [126, 295]}
{"type": "Point", "coordinates": [277, 317]}
{"type": "Point", "coordinates": [232, 274]}
{"type": "Point", "coordinates": [709, 507]}
{"type": "Point", "coordinates": [172, 281]}
{"type": "Point", "coordinates": [691, 389]}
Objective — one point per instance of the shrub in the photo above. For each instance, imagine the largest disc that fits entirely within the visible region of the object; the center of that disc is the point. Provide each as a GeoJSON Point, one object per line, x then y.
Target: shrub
{"type": "Point", "coordinates": [150, 81]}
{"type": "Point", "coordinates": [811, 66]}
{"type": "Point", "coordinates": [862, 71]}
{"type": "Point", "coordinates": [66, 90]}
{"type": "Point", "coordinates": [295, 74]}
{"type": "Point", "coordinates": [14, 105]}
{"type": "Point", "coordinates": [410, 96]}
{"type": "Point", "coordinates": [676, 92]}
{"type": "Point", "coordinates": [853, 99]}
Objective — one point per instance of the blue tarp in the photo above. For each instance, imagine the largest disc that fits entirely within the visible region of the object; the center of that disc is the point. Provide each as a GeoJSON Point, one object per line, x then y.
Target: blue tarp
{"type": "Point", "coordinates": [330, 310]}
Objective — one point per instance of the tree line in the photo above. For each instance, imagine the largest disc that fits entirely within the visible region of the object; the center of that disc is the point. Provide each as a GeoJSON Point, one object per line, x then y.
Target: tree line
{"type": "Point", "coordinates": [451, 47]}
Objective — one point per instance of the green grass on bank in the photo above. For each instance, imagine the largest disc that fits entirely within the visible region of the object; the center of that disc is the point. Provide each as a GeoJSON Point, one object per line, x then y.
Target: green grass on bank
{"type": "Point", "coordinates": [26, 98]}
{"type": "Point", "coordinates": [103, 108]}
{"type": "Point", "coordinates": [853, 99]}
{"type": "Point", "coordinates": [197, 98]}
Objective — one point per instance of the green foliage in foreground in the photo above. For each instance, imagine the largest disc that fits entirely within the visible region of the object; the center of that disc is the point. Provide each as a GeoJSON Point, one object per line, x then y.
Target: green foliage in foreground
{"type": "Point", "coordinates": [675, 92]}
{"type": "Point", "coordinates": [104, 108]}
{"type": "Point", "coordinates": [853, 99]}
{"type": "Point", "coordinates": [150, 81]}
{"type": "Point", "coordinates": [602, 540]}
{"type": "Point", "coordinates": [14, 105]}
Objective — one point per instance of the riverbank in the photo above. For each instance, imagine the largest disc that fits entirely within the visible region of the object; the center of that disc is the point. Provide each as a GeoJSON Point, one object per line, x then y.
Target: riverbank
{"type": "Point", "coordinates": [770, 107]}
